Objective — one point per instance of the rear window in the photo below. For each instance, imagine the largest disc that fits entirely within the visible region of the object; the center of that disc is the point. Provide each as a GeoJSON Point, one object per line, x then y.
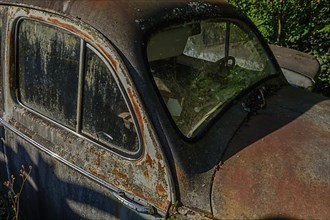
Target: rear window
{"type": "Point", "coordinates": [201, 66]}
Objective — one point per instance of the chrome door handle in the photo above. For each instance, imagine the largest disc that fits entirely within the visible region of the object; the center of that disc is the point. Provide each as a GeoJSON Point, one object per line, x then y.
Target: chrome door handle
{"type": "Point", "coordinates": [133, 204]}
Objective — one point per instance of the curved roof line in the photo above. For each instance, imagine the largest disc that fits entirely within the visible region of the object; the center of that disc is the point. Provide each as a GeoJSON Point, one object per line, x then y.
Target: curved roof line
{"type": "Point", "coordinates": [123, 22]}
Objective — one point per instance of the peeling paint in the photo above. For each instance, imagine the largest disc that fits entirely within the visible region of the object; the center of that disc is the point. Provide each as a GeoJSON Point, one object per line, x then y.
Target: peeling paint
{"type": "Point", "coordinates": [136, 177]}
{"type": "Point", "coordinates": [149, 161]}
{"type": "Point", "coordinates": [146, 174]}
{"type": "Point", "coordinates": [160, 189]}
{"type": "Point", "coordinates": [136, 108]}
{"type": "Point", "coordinates": [120, 174]}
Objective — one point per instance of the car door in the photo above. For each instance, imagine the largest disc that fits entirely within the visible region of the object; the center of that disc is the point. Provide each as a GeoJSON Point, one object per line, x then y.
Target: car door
{"type": "Point", "coordinates": [71, 112]}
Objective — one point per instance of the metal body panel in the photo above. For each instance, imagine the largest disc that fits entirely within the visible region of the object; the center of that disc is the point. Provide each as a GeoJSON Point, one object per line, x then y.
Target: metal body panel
{"type": "Point", "coordinates": [171, 169]}
{"type": "Point", "coordinates": [147, 177]}
{"type": "Point", "coordinates": [56, 191]}
{"type": "Point", "coordinates": [296, 61]}
{"type": "Point", "coordinates": [277, 165]}
{"type": "Point", "coordinates": [300, 69]}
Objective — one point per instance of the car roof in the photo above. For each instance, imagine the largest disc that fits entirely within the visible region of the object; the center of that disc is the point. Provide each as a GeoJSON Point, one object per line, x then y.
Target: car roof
{"type": "Point", "coordinates": [124, 22]}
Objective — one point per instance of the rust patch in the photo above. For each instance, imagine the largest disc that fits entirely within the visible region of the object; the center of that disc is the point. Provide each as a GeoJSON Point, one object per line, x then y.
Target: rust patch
{"type": "Point", "coordinates": [136, 192]}
{"type": "Point", "coordinates": [146, 174]}
{"type": "Point", "coordinates": [112, 60]}
{"type": "Point", "coordinates": [120, 174]}
{"type": "Point", "coordinates": [37, 17]}
{"type": "Point", "coordinates": [94, 172]}
{"type": "Point", "coordinates": [70, 28]}
{"type": "Point", "coordinates": [160, 189]}
{"type": "Point", "coordinates": [285, 173]}
{"type": "Point", "coordinates": [136, 108]}
{"type": "Point", "coordinates": [149, 160]}
{"type": "Point", "coordinates": [160, 203]}
{"type": "Point", "coordinates": [98, 158]}
{"type": "Point", "coordinates": [165, 205]}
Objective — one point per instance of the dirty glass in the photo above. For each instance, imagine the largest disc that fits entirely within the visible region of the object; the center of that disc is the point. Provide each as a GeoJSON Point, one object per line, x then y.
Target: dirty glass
{"type": "Point", "coordinates": [48, 69]}
{"type": "Point", "coordinates": [1, 76]}
{"type": "Point", "coordinates": [201, 66]}
{"type": "Point", "coordinates": [106, 117]}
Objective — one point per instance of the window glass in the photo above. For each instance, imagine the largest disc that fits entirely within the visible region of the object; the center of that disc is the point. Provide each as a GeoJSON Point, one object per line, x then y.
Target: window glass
{"type": "Point", "coordinates": [209, 44]}
{"type": "Point", "coordinates": [48, 77]}
{"type": "Point", "coordinates": [199, 67]}
{"type": "Point", "coordinates": [246, 50]}
{"type": "Point", "coordinates": [48, 59]}
{"type": "Point", "coordinates": [106, 117]}
{"type": "Point", "coordinates": [1, 76]}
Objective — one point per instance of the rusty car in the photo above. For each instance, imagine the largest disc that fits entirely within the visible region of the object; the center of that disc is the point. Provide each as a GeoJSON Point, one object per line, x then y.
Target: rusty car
{"type": "Point", "coordinates": [155, 109]}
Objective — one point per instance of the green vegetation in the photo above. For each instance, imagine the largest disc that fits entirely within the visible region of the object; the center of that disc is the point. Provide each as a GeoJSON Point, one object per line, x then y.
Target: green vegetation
{"type": "Point", "coordinates": [297, 24]}
{"type": "Point", "coordinates": [201, 93]}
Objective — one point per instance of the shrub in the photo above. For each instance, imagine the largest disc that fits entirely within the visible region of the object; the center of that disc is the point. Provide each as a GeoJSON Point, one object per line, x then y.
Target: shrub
{"type": "Point", "coordinates": [297, 24]}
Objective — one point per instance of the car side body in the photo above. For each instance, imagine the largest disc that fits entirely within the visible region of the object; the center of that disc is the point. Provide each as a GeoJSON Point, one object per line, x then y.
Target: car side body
{"type": "Point", "coordinates": [82, 103]}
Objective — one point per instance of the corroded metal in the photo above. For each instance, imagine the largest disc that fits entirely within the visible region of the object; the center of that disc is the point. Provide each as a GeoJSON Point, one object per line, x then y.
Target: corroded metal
{"type": "Point", "coordinates": [110, 169]}
{"type": "Point", "coordinates": [80, 176]}
{"type": "Point", "coordinates": [277, 165]}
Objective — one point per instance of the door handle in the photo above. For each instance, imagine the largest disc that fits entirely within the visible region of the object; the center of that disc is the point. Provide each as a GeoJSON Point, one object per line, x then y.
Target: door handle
{"type": "Point", "coordinates": [134, 204]}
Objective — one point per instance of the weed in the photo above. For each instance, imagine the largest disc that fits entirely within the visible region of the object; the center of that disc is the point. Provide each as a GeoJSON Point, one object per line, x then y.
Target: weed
{"type": "Point", "coordinates": [13, 196]}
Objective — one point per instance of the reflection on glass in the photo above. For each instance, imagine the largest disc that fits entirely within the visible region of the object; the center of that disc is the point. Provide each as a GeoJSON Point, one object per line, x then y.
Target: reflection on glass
{"type": "Point", "coordinates": [199, 67]}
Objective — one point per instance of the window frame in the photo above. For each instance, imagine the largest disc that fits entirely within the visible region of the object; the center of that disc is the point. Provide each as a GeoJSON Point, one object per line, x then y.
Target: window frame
{"type": "Point", "coordinates": [77, 130]}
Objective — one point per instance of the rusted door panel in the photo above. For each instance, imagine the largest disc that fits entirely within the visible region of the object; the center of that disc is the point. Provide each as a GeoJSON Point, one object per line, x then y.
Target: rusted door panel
{"type": "Point", "coordinates": [64, 162]}
{"type": "Point", "coordinates": [56, 191]}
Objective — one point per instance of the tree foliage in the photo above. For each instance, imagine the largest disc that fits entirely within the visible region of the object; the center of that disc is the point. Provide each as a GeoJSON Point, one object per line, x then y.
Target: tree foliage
{"type": "Point", "coordinates": [298, 24]}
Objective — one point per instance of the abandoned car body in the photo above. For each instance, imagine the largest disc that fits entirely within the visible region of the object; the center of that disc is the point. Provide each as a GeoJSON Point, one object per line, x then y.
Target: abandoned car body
{"type": "Point", "coordinates": [132, 109]}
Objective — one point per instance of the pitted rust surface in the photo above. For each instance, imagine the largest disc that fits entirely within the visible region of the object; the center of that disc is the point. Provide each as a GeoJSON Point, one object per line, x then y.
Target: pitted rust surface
{"type": "Point", "coordinates": [277, 165]}
{"type": "Point", "coordinates": [136, 19]}
{"type": "Point", "coordinates": [150, 183]}
{"type": "Point", "coordinates": [136, 108]}
{"type": "Point", "coordinates": [192, 163]}
{"type": "Point", "coordinates": [113, 61]}
{"type": "Point", "coordinates": [126, 175]}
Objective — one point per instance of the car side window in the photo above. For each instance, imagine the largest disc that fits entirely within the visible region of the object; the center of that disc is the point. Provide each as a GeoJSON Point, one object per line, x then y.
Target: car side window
{"type": "Point", "coordinates": [1, 77]}
{"type": "Point", "coordinates": [105, 113]}
{"type": "Point", "coordinates": [48, 70]}
{"type": "Point", "coordinates": [64, 78]}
